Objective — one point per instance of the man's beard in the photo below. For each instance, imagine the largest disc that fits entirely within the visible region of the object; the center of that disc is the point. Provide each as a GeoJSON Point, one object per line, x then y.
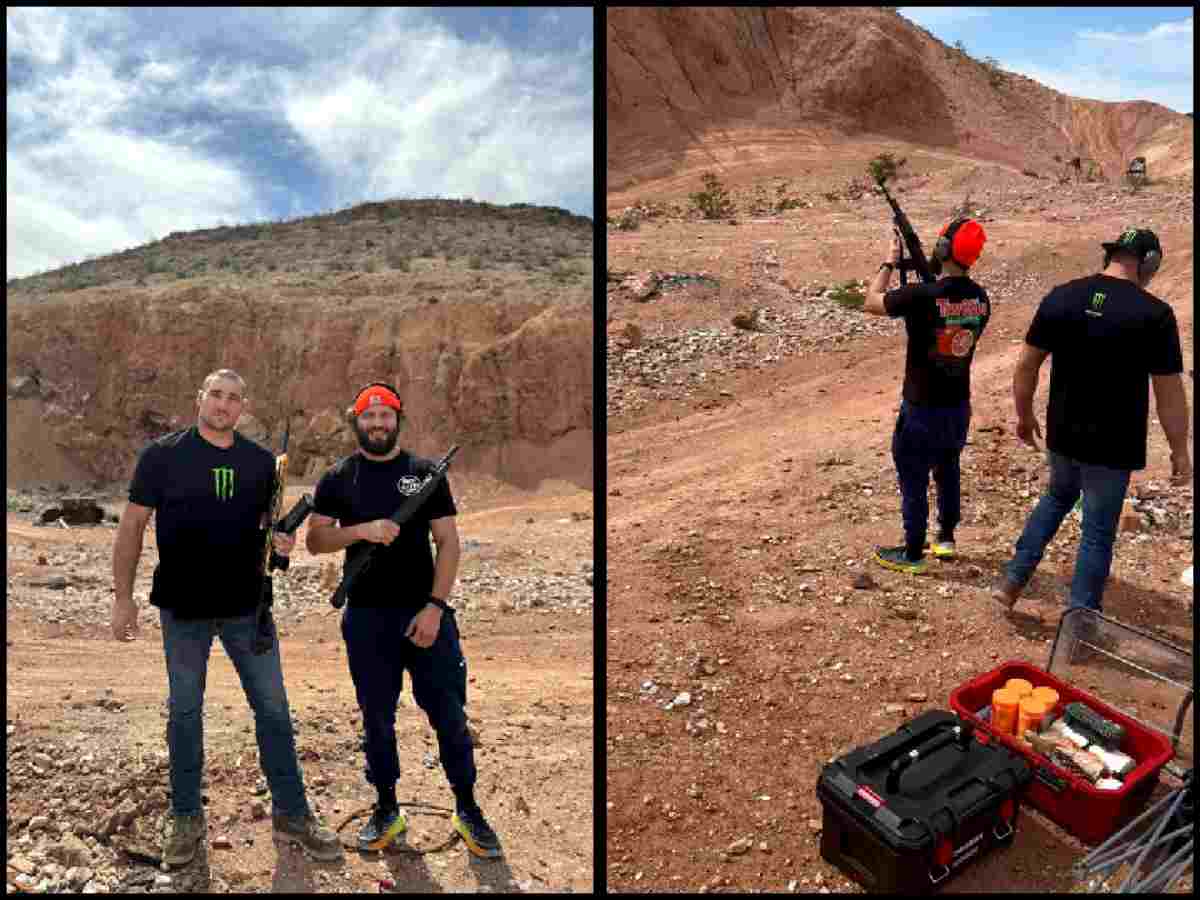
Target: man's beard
{"type": "Point", "coordinates": [379, 447]}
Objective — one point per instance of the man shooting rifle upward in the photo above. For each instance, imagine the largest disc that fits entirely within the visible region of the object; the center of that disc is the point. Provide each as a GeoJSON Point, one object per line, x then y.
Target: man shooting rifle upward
{"type": "Point", "coordinates": [944, 316]}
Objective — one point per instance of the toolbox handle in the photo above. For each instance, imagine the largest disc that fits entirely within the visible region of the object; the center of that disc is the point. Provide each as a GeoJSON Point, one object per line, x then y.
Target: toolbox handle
{"type": "Point", "coordinates": [960, 735]}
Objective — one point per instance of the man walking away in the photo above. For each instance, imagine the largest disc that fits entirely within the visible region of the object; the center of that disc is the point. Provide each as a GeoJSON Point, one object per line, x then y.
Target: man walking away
{"type": "Point", "coordinates": [1110, 340]}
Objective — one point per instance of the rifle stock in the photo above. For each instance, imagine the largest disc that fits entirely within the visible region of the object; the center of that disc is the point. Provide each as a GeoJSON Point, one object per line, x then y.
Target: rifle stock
{"type": "Point", "coordinates": [405, 512]}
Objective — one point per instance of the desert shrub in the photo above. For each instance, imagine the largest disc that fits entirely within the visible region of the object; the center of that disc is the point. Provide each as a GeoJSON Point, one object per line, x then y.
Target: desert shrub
{"type": "Point", "coordinates": [885, 167]}
{"type": "Point", "coordinates": [713, 202]}
{"type": "Point", "coordinates": [475, 262]}
{"type": "Point", "coordinates": [848, 295]}
{"type": "Point", "coordinates": [155, 264]}
{"type": "Point", "coordinates": [371, 266]}
{"type": "Point", "coordinates": [1057, 158]}
{"type": "Point", "coordinates": [629, 219]}
{"type": "Point", "coordinates": [398, 259]}
{"type": "Point", "coordinates": [995, 75]}
{"type": "Point", "coordinates": [1029, 172]}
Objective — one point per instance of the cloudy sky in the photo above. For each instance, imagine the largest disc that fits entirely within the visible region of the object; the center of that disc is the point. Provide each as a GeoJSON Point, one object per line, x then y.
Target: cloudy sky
{"type": "Point", "coordinates": [127, 124]}
{"type": "Point", "coordinates": [1098, 53]}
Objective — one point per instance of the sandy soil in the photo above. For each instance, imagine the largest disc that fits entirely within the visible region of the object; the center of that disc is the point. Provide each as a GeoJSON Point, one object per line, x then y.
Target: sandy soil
{"type": "Point", "coordinates": [746, 490]}
{"type": "Point", "coordinates": [530, 700]}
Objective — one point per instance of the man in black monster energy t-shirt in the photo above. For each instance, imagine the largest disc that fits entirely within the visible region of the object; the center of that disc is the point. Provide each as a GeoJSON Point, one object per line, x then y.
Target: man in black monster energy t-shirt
{"type": "Point", "coordinates": [944, 320]}
{"type": "Point", "coordinates": [209, 489]}
{"type": "Point", "coordinates": [1109, 340]}
{"type": "Point", "coordinates": [396, 615]}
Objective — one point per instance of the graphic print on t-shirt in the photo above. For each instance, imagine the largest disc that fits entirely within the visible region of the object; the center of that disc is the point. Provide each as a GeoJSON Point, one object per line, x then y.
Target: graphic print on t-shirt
{"type": "Point", "coordinates": [223, 479]}
{"type": "Point", "coordinates": [963, 323]}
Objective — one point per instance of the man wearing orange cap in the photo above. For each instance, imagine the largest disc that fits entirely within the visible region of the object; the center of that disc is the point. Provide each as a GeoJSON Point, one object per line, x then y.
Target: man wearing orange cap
{"type": "Point", "coordinates": [944, 320]}
{"type": "Point", "coordinates": [397, 616]}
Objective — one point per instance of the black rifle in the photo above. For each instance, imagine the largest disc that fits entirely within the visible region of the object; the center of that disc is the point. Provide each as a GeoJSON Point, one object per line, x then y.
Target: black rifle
{"type": "Point", "coordinates": [908, 235]}
{"type": "Point", "coordinates": [406, 511]}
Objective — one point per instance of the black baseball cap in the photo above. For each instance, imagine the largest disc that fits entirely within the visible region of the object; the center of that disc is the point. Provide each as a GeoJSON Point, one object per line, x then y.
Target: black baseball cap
{"type": "Point", "coordinates": [1138, 241]}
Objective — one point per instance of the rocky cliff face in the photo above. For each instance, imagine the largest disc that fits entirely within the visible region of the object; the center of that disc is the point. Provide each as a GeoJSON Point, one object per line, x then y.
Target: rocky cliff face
{"type": "Point", "coordinates": [680, 79]}
{"type": "Point", "coordinates": [489, 350]}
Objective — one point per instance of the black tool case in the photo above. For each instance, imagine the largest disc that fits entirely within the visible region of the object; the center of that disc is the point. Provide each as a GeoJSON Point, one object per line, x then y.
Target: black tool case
{"type": "Point", "coordinates": [904, 813]}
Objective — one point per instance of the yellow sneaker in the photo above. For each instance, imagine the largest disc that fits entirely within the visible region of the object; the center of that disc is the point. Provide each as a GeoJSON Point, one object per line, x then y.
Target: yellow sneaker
{"type": "Point", "coordinates": [941, 549]}
{"type": "Point", "coordinates": [384, 826]}
{"type": "Point", "coordinates": [896, 558]}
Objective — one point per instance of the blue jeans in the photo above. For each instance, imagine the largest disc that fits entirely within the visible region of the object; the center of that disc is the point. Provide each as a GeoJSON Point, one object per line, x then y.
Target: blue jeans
{"type": "Point", "coordinates": [1103, 492]}
{"type": "Point", "coordinates": [929, 439]}
{"type": "Point", "coordinates": [187, 643]}
{"type": "Point", "coordinates": [378, 654]}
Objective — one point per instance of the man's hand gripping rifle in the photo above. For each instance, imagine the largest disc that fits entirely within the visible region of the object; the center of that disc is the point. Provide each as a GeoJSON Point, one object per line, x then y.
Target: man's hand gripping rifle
{"type": "Point", "coordinates": [264, 631]}
{"type": "Point", "coordinates": [406, 511]}
{"type": "Point", "coordinates": [908, 238]}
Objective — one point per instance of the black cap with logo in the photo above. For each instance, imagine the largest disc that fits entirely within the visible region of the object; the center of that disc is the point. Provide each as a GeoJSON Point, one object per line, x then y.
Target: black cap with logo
{"type": "Point", "coordinates": [1139, 241]}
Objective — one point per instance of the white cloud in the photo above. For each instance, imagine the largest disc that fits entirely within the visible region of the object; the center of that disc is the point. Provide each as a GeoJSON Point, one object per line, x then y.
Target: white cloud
{"type": "Point", "coordinates": [94, 191]}
{"type": "Point", "coordinates": [160, 71]}
{"type": "Point", "coordinates": [1165, 31]}
{"type": "Point", "coordinates": [448, 118]}
{"type": "Point", "coordinates": [36, 31]}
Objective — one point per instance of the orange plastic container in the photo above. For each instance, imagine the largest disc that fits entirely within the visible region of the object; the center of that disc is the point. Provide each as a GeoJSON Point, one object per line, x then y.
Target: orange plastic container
{"type": "Point", "coordinates": [1004, 710]}
{"type": "Point", "coordinates": [1020, 686]}
{"type": "Point", "coordinates": [1047, 695]}
{"type": "Point", "coordinates": [1029, 714]}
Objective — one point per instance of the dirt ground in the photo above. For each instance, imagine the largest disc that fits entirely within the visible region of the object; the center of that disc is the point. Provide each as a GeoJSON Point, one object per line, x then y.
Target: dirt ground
{"type": "Point", "coordinates": [74, 694]}
{"type": "Point", "coordinates": [750, 476]}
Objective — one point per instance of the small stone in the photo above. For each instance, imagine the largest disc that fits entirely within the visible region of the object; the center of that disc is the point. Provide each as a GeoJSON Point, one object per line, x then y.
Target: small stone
{"type": "Point", "coordinates": [162, 880]}
{"type": "Point", "coordinates": [917, 697]}
{"type": "Point", "coordinates": [740, 846]}
{"type": "Point", "coordinates": [222, 842]}
{"type": "Point", "coordinates": [895, 709]}
{"type": "Point", "coordinates": [864, 582]}
{"type": "Point", "coordinates": [682, 699]}
{"type": "Point", "coordinates": [814, 825]}
{"type": "Point", "coordinates": [258, 810]}
{"type": "Point", "coordinates": [21, 864]}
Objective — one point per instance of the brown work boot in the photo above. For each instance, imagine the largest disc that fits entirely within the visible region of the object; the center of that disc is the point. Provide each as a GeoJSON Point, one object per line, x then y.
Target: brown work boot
{"type": "Point", "coordinates": [1006, 593]}
{"type": "Point", "coordinates": [185, 835]}
{"type": "Point", "coordinates": [320, 842]}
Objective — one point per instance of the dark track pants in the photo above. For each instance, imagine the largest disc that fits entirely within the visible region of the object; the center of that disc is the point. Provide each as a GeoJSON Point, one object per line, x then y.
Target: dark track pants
{"type": "Point", "coordinates": [378, 654]}
{"type": "Point", "coordinates": [929, 439]}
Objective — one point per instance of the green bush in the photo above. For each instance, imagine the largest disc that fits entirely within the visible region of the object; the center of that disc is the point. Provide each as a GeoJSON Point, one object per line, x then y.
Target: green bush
{"type": "Point", "coordinates": [713, 202]}
{"type": "Point", "coordinates": [884, 167]}
{"type": "Point", "coordinates": [398, 259]}
{"type": "Point", "coordinates": [475, 262]}
{"type": "Point", "coordinates": [848, 295]}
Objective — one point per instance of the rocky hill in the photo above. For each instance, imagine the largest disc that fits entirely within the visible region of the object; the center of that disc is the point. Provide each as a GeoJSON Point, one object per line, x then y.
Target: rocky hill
{"type": "Point", "coordinates": [480, 314]}
{"type": "Point", "coordinates": [724, 82]}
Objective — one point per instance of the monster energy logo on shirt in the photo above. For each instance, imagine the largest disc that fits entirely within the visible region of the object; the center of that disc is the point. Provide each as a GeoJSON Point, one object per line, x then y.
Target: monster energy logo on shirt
{"type": "Point", "coordinates": [223, 476]}
{"type": "Point", "coordinates": [1097, 302]}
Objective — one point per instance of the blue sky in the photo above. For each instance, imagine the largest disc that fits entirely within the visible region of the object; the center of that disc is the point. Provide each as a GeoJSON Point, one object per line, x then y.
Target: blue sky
{"type": "Point", "coordinates": [1098, 53]}
{"type": "Point", "coordinates": [125, 124]}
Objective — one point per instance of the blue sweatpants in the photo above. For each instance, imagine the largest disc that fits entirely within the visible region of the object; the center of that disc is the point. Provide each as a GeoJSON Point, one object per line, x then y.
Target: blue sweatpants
{"type": "Point", "coordinates": [378, 654]}
{"type": "Point", "coordinates": [929, 439]}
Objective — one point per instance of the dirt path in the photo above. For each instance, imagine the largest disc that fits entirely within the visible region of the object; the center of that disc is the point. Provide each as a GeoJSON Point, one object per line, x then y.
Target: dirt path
{"type": "Point", "coordinates": [526, 623]}
{"type": "Point", "coordinates": [747, 485]}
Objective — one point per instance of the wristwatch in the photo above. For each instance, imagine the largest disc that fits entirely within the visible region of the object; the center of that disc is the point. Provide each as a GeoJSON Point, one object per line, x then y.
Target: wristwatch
{"type": "Point", "coordinates": [441, 604]}
{"type": "Point", "coordinates": [886, 265]}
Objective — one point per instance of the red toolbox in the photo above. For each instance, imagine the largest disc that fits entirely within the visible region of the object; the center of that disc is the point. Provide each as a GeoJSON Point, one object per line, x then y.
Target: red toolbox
{"type": "Point", "coordinates": [1114, 657]}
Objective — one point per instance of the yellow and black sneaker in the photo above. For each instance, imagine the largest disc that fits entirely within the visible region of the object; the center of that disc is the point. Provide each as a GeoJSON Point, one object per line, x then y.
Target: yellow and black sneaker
{"type": "Point", "coordinates": [476, 833]}
{"type": "Point", "coordinates": [384, 826]}
{"type": "Point", "coordinates": [896, 558]}
{"type": "Point", "coordinates": [941, 549]}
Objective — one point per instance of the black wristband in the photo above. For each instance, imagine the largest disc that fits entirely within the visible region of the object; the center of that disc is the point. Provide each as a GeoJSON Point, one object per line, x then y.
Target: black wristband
{"type": "Point", "coordinates": [440, 604]}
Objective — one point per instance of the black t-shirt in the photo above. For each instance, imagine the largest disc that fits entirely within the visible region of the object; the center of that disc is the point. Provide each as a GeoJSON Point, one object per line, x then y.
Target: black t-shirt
{"type": "Point", "coordinates": [944, 321]}
{"type": "Point", "coordinates": [1106, 337]}
{"type": "Point", "coordinates": [208, 503]}
{"type": "Point", "coordinates": [358, 490]}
